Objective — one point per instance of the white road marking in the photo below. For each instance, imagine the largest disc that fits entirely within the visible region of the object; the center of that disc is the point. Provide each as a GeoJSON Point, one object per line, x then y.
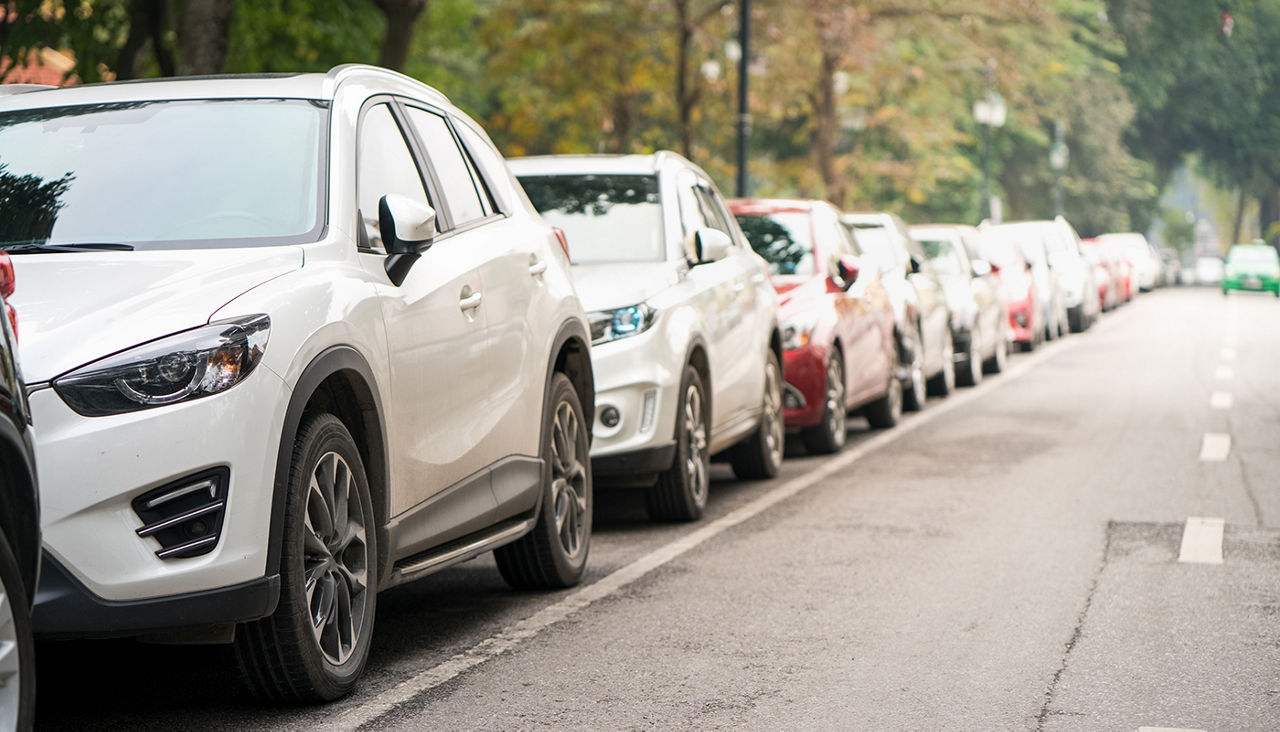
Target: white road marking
{"type": "Point", "coordinates": [1224, 373]}
{"type": "Point", "coordinates": [1221, 400]}
{"type": "Point", "coordinates": [511, 636]}
{"type": "Point", "coordinates": [1202, 541]}
{"type": "Point", "coordinates": [1228, 354]}
{"type": "Point", "coordinates": [1216, 447]}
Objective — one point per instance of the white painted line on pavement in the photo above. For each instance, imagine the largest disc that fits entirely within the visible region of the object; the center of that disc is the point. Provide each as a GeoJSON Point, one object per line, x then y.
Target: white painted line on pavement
{"type": "Point", "coordinates": [1202, 541]}
{"type": "Point", "coordinates": [1221, 400]}
{"type": "Point", "coordinates": [1228, 354]}
{"type": "Point", "coordinates": [1224, 373]}
{"type": "Point", "coordinates": [1216, 447]}
{"type": "Point", "coordinates": [511, 636]}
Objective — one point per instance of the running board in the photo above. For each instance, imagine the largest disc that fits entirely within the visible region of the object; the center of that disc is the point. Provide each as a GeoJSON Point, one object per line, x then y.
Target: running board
{"type": "Point", "coordinates": [450, 554]}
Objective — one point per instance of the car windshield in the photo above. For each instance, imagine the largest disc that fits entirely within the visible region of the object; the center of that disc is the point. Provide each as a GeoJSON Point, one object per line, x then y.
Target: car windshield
{"type": "Point", "coordinates": [873, 240]}
{"type": "Point", "coordinates": [943, 254]}
{"type": "Point", "coordinates": [606, 218]}
{"type": "Point", "coordinates": [162, 175]}
{"type": "Point", "coordinates": [784, 239]}
{"type": "Point", "coordinates": [1252, 255]}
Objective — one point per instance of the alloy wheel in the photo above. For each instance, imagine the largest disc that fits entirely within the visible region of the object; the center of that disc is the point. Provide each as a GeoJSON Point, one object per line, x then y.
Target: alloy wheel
{"type": "Point", "coordinates": [10, 664]}
{"type": "Point", "coordinates": [775, 435]}
{"type": "Point", "coordinates": [568, 481]}
{"type": "Point", "coordinates": [837, 413]}
{"type": "Point", "coordinates": [335, 559]}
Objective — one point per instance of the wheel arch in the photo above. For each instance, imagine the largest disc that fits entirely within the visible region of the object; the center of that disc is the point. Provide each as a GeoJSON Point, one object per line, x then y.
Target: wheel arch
{"type": "Point", "coordinates": [339, 381]}
{"type": "Point", "coordinates": [698, 358]}
{"type": "Point", "coordinates": [19, 507]}
{"type": "Point", "coordinates": [571, 356]}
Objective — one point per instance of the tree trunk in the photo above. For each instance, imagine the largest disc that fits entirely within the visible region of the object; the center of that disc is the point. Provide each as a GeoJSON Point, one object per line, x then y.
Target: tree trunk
{"type": "Point", "coordinates": [148, 21]}
{"type": "Point", "coordinates": [203, 36]}
{"type": "Point", "coordinates": [684, 100]}
{"type": "Point", "coordinates": [1268, 210]}
{"type": "Point", "coordinates": [824, 131]}
{"type": "Point", "coordinates": [401, 16]}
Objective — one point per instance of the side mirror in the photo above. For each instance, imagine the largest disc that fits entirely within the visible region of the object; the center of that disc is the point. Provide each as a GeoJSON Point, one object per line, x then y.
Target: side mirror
{"type": "Point", "coordinates": [848, 266]}
{"type": "Point", "coordinates": [981, 268]}
{"type": "Point", "coordinates": [709, 245]}
{"type": "Point", "coordinates": [407, 227]}
{"type": "Point", "coordinates": [913, 265]}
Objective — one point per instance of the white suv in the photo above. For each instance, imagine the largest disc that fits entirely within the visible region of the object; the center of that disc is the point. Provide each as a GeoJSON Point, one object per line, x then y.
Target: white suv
{"type": "Point", "coordinates": [290, 340]}
{"type": "Point", "coordinates": [685, 339]}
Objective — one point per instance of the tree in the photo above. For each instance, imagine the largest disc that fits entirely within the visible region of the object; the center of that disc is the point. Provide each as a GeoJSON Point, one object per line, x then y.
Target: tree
{"type": "Point", "coordinates": [401, 17]}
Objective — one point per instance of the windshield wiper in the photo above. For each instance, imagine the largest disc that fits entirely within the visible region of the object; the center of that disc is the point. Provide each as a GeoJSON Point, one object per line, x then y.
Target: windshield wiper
{"type": "Point", "coordinates": [92, 246]}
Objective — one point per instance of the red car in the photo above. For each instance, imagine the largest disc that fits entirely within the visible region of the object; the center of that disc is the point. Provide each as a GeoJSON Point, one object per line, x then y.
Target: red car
{"type": "Point", "coordinates": [1017, 288]}
{"type": "Point", "coordinates": [837, 321]}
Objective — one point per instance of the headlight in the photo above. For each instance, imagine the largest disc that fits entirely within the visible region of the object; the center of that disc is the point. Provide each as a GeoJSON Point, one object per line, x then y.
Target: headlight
{"type": "Point", "coordinates": [188, 365]}
{"type": "Point", "coordinates": [610, 325]}
{"type": "Point", "coordinates": [797, 333]}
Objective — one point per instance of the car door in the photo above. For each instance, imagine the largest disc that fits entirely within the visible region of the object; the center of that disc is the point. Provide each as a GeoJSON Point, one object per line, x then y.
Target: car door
{"type": "Point", "coordinates": [864, 365]}
{"type": "Point", "coordinates": [435, 324]}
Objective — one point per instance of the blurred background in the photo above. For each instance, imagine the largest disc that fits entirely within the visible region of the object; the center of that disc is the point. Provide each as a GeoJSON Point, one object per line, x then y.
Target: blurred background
{"type": "Point", "coordinates": [1156, 116]}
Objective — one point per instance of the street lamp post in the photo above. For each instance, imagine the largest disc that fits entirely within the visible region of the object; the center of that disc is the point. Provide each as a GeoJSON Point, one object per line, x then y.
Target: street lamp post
{"type": "Point", "coordinates": [1059, 156]}
{"type": "Point", "coordinates": [989, 112]}
{"type": "Point", "coordinates": [744, 121]}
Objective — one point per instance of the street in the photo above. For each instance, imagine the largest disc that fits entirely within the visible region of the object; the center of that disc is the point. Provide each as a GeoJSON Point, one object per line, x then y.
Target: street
{"type": "Point", "coordinates": [1009, 558]}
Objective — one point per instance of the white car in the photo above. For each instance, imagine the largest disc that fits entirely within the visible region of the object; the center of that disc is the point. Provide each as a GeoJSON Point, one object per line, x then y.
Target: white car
{"type": "Point", "coordinates": [290, 340]}
{"type": "Point", "coordinates": [1144, 259]}
{"type": "Point", "coordinates": [685, 340]}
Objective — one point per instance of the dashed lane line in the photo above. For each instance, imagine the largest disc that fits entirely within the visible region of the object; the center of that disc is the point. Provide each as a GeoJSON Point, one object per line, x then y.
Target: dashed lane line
{"type": "Point", "coordinates": [1221, 400]}
{"type": "Point", "coordinates": [1202, 541]}
{"type": "Point", "coordinates": [1215, 447]}
{"type": "Point", "coordinates": [513, 635]}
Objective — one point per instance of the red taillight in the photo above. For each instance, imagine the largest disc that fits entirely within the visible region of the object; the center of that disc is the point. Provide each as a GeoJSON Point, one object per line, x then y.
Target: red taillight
{"type": "Point", "coordinates": [6, 274]}
{"type": "Point", "coordinates": [564, 241]}
{"type": "Point", "coordinates": [13, 319]}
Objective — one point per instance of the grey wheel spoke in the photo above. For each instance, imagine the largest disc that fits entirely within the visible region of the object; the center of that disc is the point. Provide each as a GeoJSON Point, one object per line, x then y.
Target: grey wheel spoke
{"type": "Point", "coordinates": [336, 557]}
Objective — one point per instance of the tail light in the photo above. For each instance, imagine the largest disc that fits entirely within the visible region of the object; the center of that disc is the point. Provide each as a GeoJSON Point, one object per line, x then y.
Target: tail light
{"type": "Point", "coordinates": [564, 241]}
{"type": "Point", "coordinates": [7, 281]}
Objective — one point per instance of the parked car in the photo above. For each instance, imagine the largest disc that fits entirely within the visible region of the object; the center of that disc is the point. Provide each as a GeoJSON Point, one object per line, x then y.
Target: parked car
{"type": "Point", "coordinates": [328, 349]}
{"type": "Point", "coordinates": [979, 322]}
{"type": "Point", "coordinates": [1077, 285]}
{"type": "Point", "coordinates": [1018, 289]}
{"type": "Point", "coordinates": [686, 345]}
{"type": "Point", "coordinates": [1209, 270]}
{"type": "Point", "coordinates": [19, 526]}
{"type": "Point", "coordinates": [1142, 257]}
{"type": "Point", "coordinates": [1093, 257]}
{"type": "Point", "coordinates": [837, 322]}
{"type": "Point", "coordinates": [922, 322]}
{"type": "Point", "coordinates": [1252, 267]}
{"type": "Point", "coordinates": [1043, 290]}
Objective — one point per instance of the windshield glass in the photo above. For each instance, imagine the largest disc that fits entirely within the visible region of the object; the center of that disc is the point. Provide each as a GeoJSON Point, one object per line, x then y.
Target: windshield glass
{"type": "Point", "coordinates": [1251, 255]}
{"type": "Point", "coordinates": [784, 239]}
{"type": "Point", "coordinates": [942, 253]}
{"type": "Point", "coordinates": [162, 175]}
{"type": "Point", "coordinates": [873, 240]}
{"type": "Point", "coordinates": [606, 218]}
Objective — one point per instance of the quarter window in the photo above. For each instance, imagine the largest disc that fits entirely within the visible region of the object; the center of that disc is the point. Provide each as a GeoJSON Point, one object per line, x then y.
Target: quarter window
{"type": "Point", "coordinates": [451, 168]}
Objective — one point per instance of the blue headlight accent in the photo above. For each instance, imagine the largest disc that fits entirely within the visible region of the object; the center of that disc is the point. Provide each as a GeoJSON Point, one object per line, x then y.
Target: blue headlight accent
{"type": "Point", "coordinates": [610, 325]}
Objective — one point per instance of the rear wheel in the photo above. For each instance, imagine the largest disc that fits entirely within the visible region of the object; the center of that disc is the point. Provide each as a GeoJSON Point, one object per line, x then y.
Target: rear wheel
{"type": "Point", "coordinates": [913, 386]}
{"type": "Point", "coordinates": [970, 373]}
{"type": "Point", "coordinates": [828, 436]}
{"type": "Point", "coordinates": [554, 553]}
{"type": "Point", "coordinates": [886, 411]}
{"type": "Point", "coordinates": [681, 491]}
{"type": "Point", "coordinates": [314, 647]}
{"type": "Point", "coordinates": [760, 455]}
{"type": "Point", "coordinates": [945, 381]}
{"type": "Point", "coordinates": [996, 364]}
{"type": "Point", "coordinates": [17, 650]}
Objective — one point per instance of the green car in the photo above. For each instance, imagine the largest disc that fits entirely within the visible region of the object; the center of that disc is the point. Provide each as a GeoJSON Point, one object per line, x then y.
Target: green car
{"type": "Point", "coordinates": [1252, 267]}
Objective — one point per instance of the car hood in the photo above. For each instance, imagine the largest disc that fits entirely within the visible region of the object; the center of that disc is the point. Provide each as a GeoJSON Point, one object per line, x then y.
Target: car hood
{"type": "Point", "coordinates": [74, 308]}
{"type": "Point", "coordinates": [796, 294]}
{"type": "Point", "coordinates": [610, 286]}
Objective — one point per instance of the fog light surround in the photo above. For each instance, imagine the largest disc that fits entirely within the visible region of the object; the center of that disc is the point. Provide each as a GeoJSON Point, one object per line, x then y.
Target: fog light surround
{"type": "Point", "coordinates": [609, 417]}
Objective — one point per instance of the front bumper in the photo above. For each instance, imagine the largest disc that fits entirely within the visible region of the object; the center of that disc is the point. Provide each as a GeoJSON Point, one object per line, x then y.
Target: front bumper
{"type": "Point", "coordinates": [1252, 283]}
{"type": "Point", "coordinates": [1022, 321]}
{"type": "Point", "coordinates": [637, 378]}
{"type": "Point", "coordinates": [92, 469]}
{"type": "Point", "coordinates": [805, 369]}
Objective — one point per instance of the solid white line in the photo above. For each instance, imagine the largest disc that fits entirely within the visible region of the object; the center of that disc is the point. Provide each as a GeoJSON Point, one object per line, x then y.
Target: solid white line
{"type": "Point", "coordinates": [1228, 354]}
{"type": "Point", "coordinates": [1202, 541]}
{"type": "Point", "coordinates": [513, 635]}
{"type": "Point", "coordinates": [1221, 400]}
{"type": "Point", "coordinates": [1224, 373]}
{"type": "Point", "coordinates": [1215, 447]}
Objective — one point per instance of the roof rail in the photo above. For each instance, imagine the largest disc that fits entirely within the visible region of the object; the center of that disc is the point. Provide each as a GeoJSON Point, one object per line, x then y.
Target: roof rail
{"type": "Point", "coordinates": [7, 89]}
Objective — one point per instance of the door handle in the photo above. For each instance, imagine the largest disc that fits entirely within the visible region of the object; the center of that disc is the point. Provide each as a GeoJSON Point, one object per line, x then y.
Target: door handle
{"type": "Point", "coordinates": [537, 266]}
{"type": "Point", "coordinates": [470, 302]}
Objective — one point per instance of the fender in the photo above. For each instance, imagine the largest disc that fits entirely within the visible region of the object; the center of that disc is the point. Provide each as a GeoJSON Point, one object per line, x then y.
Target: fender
{"type": "Point", "coordinates": [331, 361]}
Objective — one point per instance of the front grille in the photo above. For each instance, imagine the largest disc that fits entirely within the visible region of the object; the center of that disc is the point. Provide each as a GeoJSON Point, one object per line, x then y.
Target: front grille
{"type": "Point", "coordinates": [185, 516]}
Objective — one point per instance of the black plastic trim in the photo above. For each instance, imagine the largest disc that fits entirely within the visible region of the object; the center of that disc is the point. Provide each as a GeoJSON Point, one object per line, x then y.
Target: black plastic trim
{"type": "Point", "coordinates": [649, 460]}
{"type": "Point", "coordinates": [65, 608]}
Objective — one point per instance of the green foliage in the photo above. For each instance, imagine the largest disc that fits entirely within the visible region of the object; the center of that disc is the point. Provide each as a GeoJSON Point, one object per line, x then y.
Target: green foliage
{"type": "Point", "coordinates": [1177, 231]}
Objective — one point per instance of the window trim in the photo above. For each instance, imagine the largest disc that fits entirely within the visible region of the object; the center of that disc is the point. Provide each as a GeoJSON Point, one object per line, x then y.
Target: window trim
{"type": "Point", "coordinates": [420, 150]}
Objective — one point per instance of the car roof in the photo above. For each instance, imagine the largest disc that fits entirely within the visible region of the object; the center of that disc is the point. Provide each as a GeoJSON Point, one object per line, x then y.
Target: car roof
{"type": "Point", "coordinates": [774, 205]}
{"type": "Point", "coordinates": [315, 86]}
{"type": "Point", "coordinates": [598, 164]}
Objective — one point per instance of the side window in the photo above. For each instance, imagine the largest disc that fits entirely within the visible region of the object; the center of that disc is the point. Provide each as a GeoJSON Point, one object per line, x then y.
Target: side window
{"type": "Point", "coordinates": [383, 165]}
{"type": "Point", "coordinates": [712, 213]}
{"type": "Point", "coordinates": [451, 168]}
{"type": "Point", "coordinates": [491, 166]}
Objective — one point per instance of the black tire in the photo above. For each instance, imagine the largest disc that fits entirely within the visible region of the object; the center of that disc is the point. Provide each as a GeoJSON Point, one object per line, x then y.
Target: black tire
{"type": "Point", "coordinates": [330, 546]}
{"type": "Point", "coordinates": [554, 554]}
{"type": "Point", "coordinates": [680, 494]}
{"type": "Point", "coordinates": [18, 695]}
{"type": "Point", "coordinates": [886, 411]}
{"type": "Point", "coordinates": [944, 382]}
{"type": "Point", "coordinates": [998, 361]}
{"type": "Point", "coordinates": [1076, 320]}
{"type": "Point", "coordinates": [759, 457]}
{"type": "Point", "coordinates": [828, 436]}
{"type": "Point", "coordinates": [970, 372]}
{"type": "Point", "coordinates": [914, 389]}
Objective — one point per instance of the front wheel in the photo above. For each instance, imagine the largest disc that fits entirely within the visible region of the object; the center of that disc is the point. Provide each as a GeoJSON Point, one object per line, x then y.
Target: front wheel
{"type": "Point", "coordinates": [681, 491]}
{"type": "Point", "coordinates": [913, 386]}
{"type": "Point", "coordinates": [314, 647]}
{"type": "Point", "coordinates": [828, 436]}
{"type": "Point", "coordinates": [945, 382]}
{"type": "Point", "coordinates": [760, 455]}
{"type": "Point", "coordinates": [17, 650]}
{"type": "Point", "coordinates": [996, 364]}
{"type": "Point", "coordinates": [554, 553]}
{"type": "Point", "coordinates": [971, 374]}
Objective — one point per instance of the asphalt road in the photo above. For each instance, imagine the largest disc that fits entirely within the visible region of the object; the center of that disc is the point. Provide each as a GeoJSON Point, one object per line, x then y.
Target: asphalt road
{"type": "Point", "coordinates": [1029, 554]}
